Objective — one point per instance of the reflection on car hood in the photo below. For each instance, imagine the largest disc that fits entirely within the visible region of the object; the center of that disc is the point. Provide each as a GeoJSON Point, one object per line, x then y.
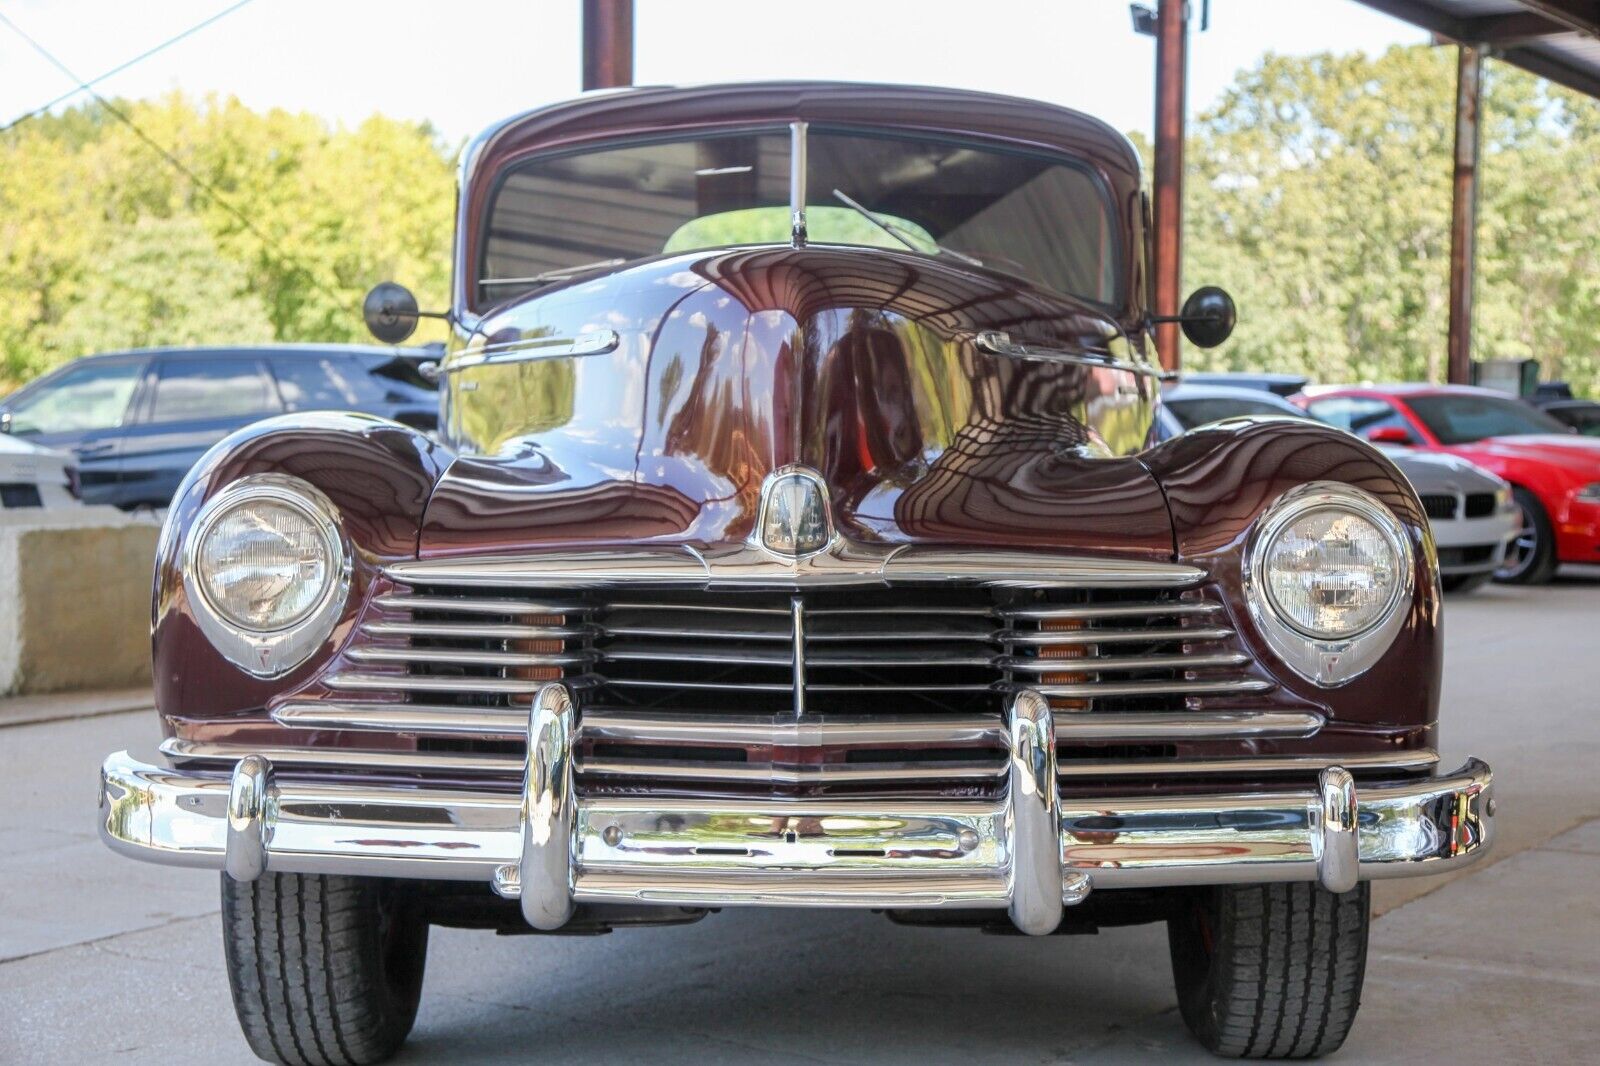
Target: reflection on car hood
{"type": "Point", "coordinates": [857, 363]}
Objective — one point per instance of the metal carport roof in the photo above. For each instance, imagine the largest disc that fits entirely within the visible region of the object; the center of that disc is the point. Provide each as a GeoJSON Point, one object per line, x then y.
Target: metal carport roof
{"type": "Point", "coordinates": [1555, 39]}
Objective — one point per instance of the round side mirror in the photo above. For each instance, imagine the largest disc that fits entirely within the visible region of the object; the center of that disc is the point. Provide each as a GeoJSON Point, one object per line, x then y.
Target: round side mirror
{"type": "Point", "coordinates": [1208, 316]}
{"type": "Point", "coordinates": [391, 312]}
{"type": "Point", "coordinates": [1389, 435]}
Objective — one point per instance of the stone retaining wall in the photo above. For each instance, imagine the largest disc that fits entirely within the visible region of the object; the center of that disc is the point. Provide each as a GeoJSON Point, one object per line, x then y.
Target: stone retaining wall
{"type": "Point", "coordinates": [75, 599]}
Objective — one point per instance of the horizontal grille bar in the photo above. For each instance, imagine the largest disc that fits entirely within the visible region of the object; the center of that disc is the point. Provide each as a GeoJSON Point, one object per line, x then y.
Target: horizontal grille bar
{"type": "Point", "coordinates": [473, 631]}
{"type": "Point", "coordinates": [668, 729]}
{"type": "Point", "coordinates": [1092, 612]}
{"type": "Point", "coordinates": [1151, 688]}
{"type": "Point", "coordinates": [476, 604]}
{"type": "Point", "coordinates": [824, 774]}
{"type": "Point", "coordinates": [465, 657]}
{"type": "Point", "coordinates": [1101, 664]}
{"type": "Point", "coordinates": [1120, 636]}
{"type": "Point", "coordinates": [434, 720]}
{"type": "Point", "coordinates": [183, 751]}
{"type": "Point", "coordinates": [511, 686]}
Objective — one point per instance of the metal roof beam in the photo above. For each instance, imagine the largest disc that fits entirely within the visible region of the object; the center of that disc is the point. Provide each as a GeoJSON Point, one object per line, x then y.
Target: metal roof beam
{"type": "Point", "coordinates": [1578, 16]}
{"type": "Point", "coordinates": [1515, 28]}
{"type": "Point", "coordinates": [1538, 18]}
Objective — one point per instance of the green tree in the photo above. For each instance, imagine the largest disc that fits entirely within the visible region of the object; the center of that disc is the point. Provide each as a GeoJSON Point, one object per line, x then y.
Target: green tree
{"type": "Point", "coordinates": [162, 281]}
{"type": "Point", "coordinates": [1319, 194]}
{"type": "Point", "coordinates": [331, 211]}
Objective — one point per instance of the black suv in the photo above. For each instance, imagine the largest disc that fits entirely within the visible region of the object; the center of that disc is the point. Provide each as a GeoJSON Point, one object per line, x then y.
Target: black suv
{"type": "Point", "coordinates": [137, 421]}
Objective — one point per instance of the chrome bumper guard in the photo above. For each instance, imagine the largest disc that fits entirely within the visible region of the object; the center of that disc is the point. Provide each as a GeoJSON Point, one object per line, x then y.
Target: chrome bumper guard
{"type": "Point", "coordinates": [1031, 853]}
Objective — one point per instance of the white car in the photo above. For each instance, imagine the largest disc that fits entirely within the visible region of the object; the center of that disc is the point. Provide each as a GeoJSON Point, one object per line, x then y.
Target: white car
{"type": "Point", "coordinates": [31, 476]}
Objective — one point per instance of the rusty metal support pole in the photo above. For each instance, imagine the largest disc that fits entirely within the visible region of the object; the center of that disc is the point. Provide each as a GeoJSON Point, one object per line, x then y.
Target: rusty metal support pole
{"type": "Point", "coordinates": [607, 43]}
{"type": "Point", "coordinates": [1172, 46]}
{"type": "Point", "coordinates": [1464, 213]}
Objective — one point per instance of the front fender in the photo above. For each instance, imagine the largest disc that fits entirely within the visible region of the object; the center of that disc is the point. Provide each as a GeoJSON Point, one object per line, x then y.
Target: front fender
{"type": "Point", "coordinates": [1218, 479]}
{"type": "Point", "coordinates": [378, 474]}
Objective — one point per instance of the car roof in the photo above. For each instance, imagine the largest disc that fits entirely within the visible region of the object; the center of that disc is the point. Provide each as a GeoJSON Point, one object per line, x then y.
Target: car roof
{"type": "Point", "coordinates": [627, 111]}
{"type": "Point", "coordinates": [260, 351]}
{"type": "Point", "coordinates": [1403, 388]}
{"type": "Point", "coordinates": [1187, 391]}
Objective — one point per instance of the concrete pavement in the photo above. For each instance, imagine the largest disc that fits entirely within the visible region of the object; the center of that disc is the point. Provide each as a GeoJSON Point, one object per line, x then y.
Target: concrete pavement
{"type": "Point", "coordinates": [103, 957]}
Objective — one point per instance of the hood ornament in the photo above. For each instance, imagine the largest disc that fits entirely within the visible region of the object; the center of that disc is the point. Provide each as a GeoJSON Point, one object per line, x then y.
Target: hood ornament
{"type": "Point", "coordinates": [794, 518]}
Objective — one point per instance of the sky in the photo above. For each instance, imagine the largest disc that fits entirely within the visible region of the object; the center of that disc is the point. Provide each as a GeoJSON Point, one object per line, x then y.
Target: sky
{"type": "Point", "coordinates": [467, 63]}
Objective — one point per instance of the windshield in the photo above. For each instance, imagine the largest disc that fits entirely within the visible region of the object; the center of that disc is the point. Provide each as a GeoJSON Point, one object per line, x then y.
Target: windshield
{"type": "Point", "coordinates": [1044, 219]}
{"type": "Point", "coordinates": [1462, 419]}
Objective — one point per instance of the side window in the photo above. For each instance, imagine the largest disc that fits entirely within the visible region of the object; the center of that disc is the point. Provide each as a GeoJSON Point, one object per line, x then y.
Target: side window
{"type": "Point", "coordinates": [194, 390]}
{"type": "Point", "coordinates": [91, 397]}
{"type": "Point", "coordinates": [1357, 414]}
{"type": "Point", "coordinates": [319, 383]}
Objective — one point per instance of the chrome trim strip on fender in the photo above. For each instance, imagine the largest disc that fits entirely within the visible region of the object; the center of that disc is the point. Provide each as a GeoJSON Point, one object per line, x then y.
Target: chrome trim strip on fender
{"type": "Point", "coordinates": [997, 342]}
{"type": "Point", "coordinates": [593, 342]}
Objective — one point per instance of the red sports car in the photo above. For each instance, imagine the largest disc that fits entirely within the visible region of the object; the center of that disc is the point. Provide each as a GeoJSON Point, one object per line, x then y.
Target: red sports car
{"type": "Point", "coordinates": [1554, 472]}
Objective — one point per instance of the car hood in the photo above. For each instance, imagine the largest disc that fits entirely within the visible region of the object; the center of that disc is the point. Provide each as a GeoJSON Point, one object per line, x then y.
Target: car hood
{"type": "Point", "coordinates": [1573, 452]}
{"type": "Point", "coordinates": [860, 364]}
{"type": "Point", "coordinates": [1438, 472]}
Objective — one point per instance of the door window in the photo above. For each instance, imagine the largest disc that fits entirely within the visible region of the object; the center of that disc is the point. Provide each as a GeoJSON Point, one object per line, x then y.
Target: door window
{"type": "Point", "coordinates": [90, 397]}
{"type": "Point", "coordinates": [195, 390]}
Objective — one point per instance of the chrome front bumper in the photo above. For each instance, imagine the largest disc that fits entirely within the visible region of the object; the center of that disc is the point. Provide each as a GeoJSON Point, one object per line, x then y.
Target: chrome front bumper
{"type": "Point", "coordinates": [1031, 852]}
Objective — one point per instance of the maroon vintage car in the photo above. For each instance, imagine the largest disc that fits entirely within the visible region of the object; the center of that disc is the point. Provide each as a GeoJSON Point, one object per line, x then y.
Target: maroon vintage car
{"type": "Point", "coordinates": [796, 541]}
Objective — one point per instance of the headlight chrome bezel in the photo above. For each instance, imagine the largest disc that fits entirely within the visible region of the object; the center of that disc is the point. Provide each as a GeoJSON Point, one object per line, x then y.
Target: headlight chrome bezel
{"type": "Point", "coordinates": [1327, 661]}
{"type": "Point", "coordinates": [271, 653]}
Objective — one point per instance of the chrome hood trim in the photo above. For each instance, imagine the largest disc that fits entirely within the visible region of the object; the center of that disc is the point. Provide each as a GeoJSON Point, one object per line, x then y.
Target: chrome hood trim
{"type": "Point", "coordinates": [843, 563]}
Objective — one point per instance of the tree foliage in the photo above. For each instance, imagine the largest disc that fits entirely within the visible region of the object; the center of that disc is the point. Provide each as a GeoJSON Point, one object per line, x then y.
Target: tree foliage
{"type": "Point", "coordinates": [1319, 195]}
{"type": "Point", "coordinates": [104, 244]}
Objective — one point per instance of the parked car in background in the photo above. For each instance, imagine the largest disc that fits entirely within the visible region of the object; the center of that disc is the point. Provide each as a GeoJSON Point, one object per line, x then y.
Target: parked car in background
{"type": "Point", "coordinates": [1581, 415]}
{"type": "Point", "coordinates": [1277, 384]}
{"type": "Point", "coordinates": [1471, 511]}
{"type": "Point", "coordinates": [137, 421]}
{"type": "Point", "coordinates": [1554, 472]}
{"type": "Point", "coordinates": [793, 540]}
{"type": "Point", "coordinates": [31, 476]}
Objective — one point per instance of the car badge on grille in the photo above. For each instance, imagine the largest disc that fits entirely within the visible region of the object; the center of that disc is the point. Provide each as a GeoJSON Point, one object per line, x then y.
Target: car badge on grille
{"type": "Point", "coordinates": [794, 519]}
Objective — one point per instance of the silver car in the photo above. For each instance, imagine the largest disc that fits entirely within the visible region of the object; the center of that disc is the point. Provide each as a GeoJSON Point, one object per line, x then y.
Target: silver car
{"type": "Point", "coordinates": [1470, 510]}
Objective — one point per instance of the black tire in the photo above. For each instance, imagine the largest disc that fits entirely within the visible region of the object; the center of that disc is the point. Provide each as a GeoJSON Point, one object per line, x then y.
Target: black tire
{"type": "Point", "coordinates": [1463, 583]}
{"type": "Point", "coordinates": [323, 969]}
{"type": "Point", "coordinates": [1270, 971]}
{"type": "Point", "coordinates": [1531, 557]}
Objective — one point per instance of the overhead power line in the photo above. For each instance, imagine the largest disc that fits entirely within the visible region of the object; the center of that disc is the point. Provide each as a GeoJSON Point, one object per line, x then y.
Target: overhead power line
{"type": "Point", "coordinates": [176, 163]}
{"type": "Point", "coordinates": [141, 57]}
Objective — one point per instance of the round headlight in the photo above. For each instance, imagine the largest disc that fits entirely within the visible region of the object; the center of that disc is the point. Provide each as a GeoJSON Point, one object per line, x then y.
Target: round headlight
{"type": "Point", "coordinates": [1331, 572]}
{"type": "Point", "coordinates": [267, 572]}
{"type": "Point", "coordinates": [1327, 569]}
{"type": "Point", "coordinates": [265, 564]}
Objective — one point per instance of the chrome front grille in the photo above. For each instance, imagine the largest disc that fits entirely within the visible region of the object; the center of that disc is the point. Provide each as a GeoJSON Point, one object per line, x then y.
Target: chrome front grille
{"type": "Point", "coordinates": [872, 686]}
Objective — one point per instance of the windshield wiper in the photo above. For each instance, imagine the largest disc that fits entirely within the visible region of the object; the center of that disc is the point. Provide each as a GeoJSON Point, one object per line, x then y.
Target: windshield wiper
{"type": "Point", "coordinates": [900, 234]}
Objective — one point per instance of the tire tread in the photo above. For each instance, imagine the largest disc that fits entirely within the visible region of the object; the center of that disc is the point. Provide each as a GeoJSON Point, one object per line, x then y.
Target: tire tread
{"type": "Point", "coordinates": [304, 961]}
{"type": "Point", "coordinates": [1284, 977]}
